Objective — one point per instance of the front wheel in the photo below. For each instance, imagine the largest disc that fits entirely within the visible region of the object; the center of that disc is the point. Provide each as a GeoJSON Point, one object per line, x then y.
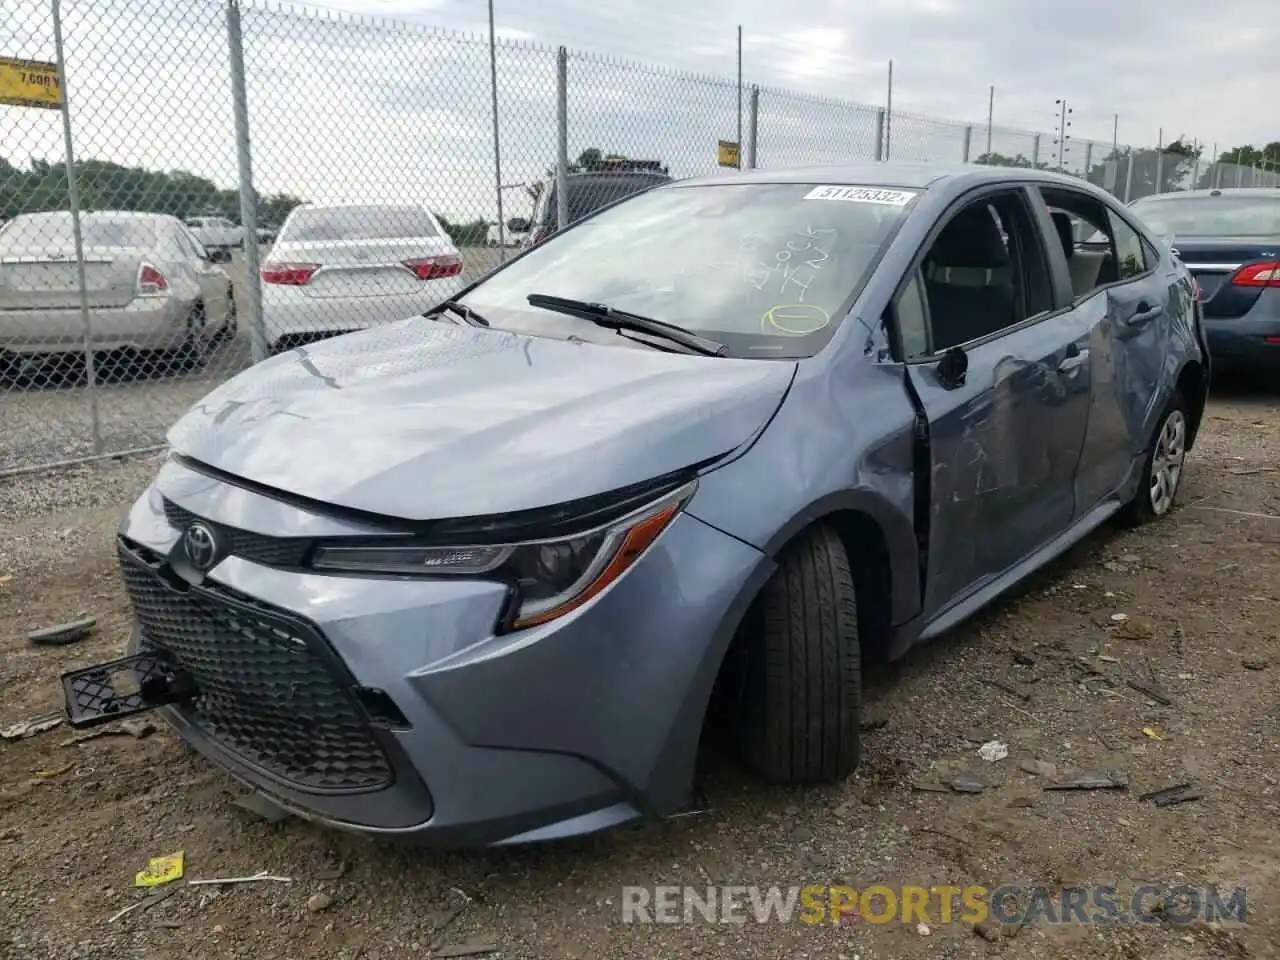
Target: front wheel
{"type": "Point", "coordinates": [1163, 468]}
{"type": "Point", "coordinates": [802, 683]}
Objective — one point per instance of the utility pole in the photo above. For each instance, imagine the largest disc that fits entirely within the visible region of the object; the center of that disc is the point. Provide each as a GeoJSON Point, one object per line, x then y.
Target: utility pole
{"type": "Point", "coordinates": [1063, 118]}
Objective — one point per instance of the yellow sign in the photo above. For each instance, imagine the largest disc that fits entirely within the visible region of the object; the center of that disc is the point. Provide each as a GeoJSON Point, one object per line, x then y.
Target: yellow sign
{"type": "Point", "coordinates": [29, 83]}
{"type": "Point", "coordinates": [727, 153]}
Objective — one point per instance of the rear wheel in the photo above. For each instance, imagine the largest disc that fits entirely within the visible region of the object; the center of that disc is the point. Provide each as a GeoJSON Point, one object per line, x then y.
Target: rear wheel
{"type": "Point", "coordinates": [801, 682]}
{"type": "Point", "coordinates": [191, 352]}
{"type": "Point", "coordinates": [1163, 468]}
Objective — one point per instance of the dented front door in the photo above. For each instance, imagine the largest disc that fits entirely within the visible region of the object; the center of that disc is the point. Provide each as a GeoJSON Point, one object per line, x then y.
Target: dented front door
{"type": "Point", "coordinates": [1003, 449]}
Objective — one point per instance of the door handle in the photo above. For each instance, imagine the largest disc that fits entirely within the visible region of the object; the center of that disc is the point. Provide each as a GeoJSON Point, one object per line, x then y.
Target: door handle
{"type": "Point", "coordinates": [1144, 314]}
{"type": "Point", "coordinates": [1073, 361]}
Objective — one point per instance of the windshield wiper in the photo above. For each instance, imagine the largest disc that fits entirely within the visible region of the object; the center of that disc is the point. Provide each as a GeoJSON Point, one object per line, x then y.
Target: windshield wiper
{"type": "Point", "coordinates": [603, 315]}
{"type": "Point", "coordinates": [461, 309]}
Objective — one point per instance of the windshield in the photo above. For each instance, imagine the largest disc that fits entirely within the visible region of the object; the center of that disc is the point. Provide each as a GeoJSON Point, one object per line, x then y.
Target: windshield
{"type": "Point", "coordinates": [767, 269]}
{"type": "Point", "coordinates": [360, 223]}
{"type": "Point", "coordinates": [1224, 216]}
{"type": "Point", "coordinates": [53, 230]}
{"type": "Point", "coordinates": [588, 194]}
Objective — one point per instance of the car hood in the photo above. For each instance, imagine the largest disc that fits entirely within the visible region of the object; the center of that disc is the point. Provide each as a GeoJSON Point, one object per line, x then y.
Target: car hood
{"type": "Point", "coordinates": [425, 420]}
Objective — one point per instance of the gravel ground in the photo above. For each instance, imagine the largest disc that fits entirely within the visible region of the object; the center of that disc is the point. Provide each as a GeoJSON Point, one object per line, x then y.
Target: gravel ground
{"type": "Point", "coordinates": [44, 424]}
{"type": "Point", "coordinates": [1203, 606]}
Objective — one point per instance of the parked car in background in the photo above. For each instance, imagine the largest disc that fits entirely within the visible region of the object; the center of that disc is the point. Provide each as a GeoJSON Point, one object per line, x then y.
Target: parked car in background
{"type": "Point", "coordinates": [335, 269]}
{"type": "Point", "coordinates": [267, 233]}
{"type": "Point", "coordinates": [217, 233]}
{"type": "Point", "coordinates": [515, 235]}
{"type": "Point", "coordinates": [475, 576]}
{"type": "Point", "coordinates": [1230, 241]}
{"type": "Point", "coordinates": [589, 189]}
{"type": "Point", "coordinates": [151, 287]}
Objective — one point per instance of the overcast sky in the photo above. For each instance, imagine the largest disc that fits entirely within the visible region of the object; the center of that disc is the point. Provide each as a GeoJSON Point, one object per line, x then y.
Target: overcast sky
{"type": "Point", "coordinates": [352, 111]}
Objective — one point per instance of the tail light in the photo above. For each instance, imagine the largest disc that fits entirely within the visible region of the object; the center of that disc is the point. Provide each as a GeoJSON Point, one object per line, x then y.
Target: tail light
{"type": "Point", "coordinates": [1264, 274]}
{"type": "Point", "coordinates": [434, 268]}
{"type": "Point", "coordinates": [289, 274]}
{"type": "Point", "coordinates": [151, 282]}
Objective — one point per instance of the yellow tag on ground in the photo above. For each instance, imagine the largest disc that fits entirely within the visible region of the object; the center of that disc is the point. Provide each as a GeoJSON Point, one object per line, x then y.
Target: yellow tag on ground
{"type": "Point", "coordinates": [160, 870]}
{"type": "Point", "coordinates": [1151, 733]}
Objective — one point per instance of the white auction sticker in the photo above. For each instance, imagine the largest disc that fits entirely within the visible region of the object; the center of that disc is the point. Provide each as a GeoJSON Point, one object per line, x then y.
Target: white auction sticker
{"type": "Point", "coordinates": [894, 198]}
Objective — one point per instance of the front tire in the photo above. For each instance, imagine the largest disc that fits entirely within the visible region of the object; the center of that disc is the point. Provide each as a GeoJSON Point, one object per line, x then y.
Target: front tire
{"type": "Point", "coordinates": [802, 685]}
{"type": "Point", "coordinates": [1163, 468]}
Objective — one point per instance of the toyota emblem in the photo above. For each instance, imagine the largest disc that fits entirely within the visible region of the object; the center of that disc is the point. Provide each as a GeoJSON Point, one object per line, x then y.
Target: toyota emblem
{"type": "Point", "coordinates": [201, 546]}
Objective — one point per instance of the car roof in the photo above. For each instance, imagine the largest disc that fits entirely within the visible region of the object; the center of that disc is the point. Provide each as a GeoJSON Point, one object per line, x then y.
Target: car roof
{"type": "Point", "coordinates": [894, 173]}
{"type": "Point", "coordinates": [1272, 193]}
{"type": "Point", "coordinates": [113, 214]}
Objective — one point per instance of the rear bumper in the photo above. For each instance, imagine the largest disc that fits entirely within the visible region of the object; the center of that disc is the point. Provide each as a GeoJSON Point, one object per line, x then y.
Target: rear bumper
{"type": "Point", "coordinates": [289, 312]}
{"type": "Point", "coordinates": [1243, 341]}
{"type": "Point", "coordinates": [145, 324]}
{"type": "Point", "coordinates": [558, 730]}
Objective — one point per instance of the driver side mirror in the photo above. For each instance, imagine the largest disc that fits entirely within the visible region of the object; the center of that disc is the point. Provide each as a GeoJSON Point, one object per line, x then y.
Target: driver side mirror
{"type": "Point", "coordinates": [518, 225]}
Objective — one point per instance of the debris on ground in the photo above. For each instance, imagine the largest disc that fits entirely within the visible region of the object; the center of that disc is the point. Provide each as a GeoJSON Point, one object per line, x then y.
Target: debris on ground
{"type": "Point", "coordinates": [470, 948]}
{"type": "Point", "coordinates": [1150, 689]}
{"type": "Point", "coordinates": [260, 806]}
{"type": "Point", "coordinates": [64, 634]}
{"type": "Point", "coordinates": [1012, 691]}
{"type": "Point", "coordinates": [55, 772]}
{"type": "Point", "coordinates": [923, 929]}
{"type": "Point", "coordinates": [319, 901]}
{"type": "Point", "coordinates": [30, 728]}
{"type": "Point", "coordinates": [988, 930]}
{"type": "Point", "coordinates": [1038, 768]}
{"type": "Point", "coordinates": [1128, 629]}
{"type": "Point", "coordinates": [968, 783]}
{"type": "Point", "coordinates": [1258, 664]}
{"type": "Point", "coordinates": [259, 877]}
{"type": "Point", "coordinates": [160, 870]}
{"type": "Point", "coordinates": [993, 751]}
{"type": "Point", "coordinates": [146, 904]}
{"type": "Point", "coordinates": [100, 732]}
{"type": "Point", "coordinates": [1167, 797]}
{"type": "Point", "coordinates": [1112, 780]}
{"type": "Point", "coordinates": [138, 729]}
{"type": "Point", "coordinates": [1152, 733]}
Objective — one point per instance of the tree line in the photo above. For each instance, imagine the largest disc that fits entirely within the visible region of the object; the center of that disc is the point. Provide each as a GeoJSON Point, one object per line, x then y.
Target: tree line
{"type": "Point", "coordinates": [1177, 170]}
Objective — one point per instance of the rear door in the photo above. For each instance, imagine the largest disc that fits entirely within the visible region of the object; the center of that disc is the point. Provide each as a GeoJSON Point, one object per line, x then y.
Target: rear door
{"type": "Point", "coordinates": [1126, 300]}
{"type": "Point", "coordinates": [1005, 438]}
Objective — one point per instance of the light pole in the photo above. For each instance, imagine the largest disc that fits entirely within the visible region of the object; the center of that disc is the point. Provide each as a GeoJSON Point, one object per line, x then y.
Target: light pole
{"type": "Point", "coordinates": [1063, 118]}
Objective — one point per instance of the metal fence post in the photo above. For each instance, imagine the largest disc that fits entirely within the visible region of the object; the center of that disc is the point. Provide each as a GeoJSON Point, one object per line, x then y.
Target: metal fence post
{"type": "Point", "coordinates": [880, 134]}
{"type": "Point", "coordinates": [1160, 162]}
{"type": "Point", "coordinates": [1239, 174]}
{"type": "Point", "coordinates": [739, 96]}
{"type": "Point", "coordinates": [497, 149]}
{"type": "Point", "coordinates": [1088, 160]}
{"type": "Point", "coordinates": [1128, 177]}
{"type": "Point", "coordinates": [1217, 175]}
{"type": "Point", "coordinates": [1195, 174]}
{"type": "Point", "coordinates": [248, 195]}
{"type": "Point", "coordinates": [753, 126]}
{"type": "Point", "coordinates": [73, 200]}
{"type": "Point", "coordinates": [562, 138]}
{"type": "Point", "coordinates": [968, 139]}
{"type": "Point", "coordinates": [1035, 152]}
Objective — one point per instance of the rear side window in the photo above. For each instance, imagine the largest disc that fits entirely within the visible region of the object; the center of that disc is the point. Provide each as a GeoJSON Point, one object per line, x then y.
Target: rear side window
{"type": "Point", "coordinates": [1225, 215]}
{"type": "Point", "coordinates": [53, 230]}
{"type": "Point", "coordinates": [316, 224]}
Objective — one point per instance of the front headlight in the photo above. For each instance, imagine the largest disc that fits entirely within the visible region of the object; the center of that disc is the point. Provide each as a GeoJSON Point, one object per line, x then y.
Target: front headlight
{"type": "Point", "coordinates": [550, 577]}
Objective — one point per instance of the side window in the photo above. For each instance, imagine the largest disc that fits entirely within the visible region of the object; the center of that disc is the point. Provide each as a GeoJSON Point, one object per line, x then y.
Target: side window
{"type": "Point", "coordinates": [986, 271]}
{"type": "Point", "coordinates": [912, 324]}
{"type": "Point", "coordinates": [1131, 254]}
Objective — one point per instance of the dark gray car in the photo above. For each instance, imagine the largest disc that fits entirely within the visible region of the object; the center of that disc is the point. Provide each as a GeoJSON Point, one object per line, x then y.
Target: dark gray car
{"type": "Point", "coordinates": [475, 576]}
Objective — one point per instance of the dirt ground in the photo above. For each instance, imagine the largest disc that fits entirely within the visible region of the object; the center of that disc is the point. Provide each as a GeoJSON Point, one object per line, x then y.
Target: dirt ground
{"type": "Point", "coordinates": [1045, 673]}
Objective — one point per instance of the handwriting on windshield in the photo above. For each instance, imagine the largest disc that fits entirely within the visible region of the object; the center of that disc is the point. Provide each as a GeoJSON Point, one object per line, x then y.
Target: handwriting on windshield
{"type": "Point", "coordinates": [795, 265]}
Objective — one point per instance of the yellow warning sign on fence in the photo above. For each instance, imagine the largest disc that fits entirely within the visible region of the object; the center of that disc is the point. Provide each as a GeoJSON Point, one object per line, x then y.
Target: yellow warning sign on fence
{"type": "Point", "coordinates": [29, 83]}
{"type": "Point", "coordinates": [727, 152]}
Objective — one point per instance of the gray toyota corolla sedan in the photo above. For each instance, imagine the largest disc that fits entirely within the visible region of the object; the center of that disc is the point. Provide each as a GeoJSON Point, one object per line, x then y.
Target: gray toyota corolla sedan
{"type": "Point", "coordinates": [481, 576]}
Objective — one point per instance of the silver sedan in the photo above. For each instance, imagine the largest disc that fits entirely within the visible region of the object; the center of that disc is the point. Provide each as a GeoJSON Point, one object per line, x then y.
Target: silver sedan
{"type": "Point", "coordinates": [150, 285]}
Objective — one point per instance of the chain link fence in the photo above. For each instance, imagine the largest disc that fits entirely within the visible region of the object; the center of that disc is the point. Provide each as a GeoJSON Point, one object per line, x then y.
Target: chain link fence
{"type": "Point", "coordinates": [247, 177]}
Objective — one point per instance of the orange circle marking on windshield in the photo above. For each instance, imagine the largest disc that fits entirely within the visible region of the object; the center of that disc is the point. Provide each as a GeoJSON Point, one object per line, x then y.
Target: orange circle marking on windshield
{"type": "Point", "coordinates": [796, 319]}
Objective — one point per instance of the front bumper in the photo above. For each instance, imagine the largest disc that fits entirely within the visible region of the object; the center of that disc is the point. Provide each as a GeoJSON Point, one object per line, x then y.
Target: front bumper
{"type": "Point", "coordinates": [147, 323]}
{"type": "Point", "coordinates": [562, 729]}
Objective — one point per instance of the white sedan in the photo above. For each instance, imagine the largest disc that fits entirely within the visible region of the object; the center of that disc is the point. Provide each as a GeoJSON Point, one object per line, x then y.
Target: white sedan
{"type": "Point", "coordinates": [337, 269]}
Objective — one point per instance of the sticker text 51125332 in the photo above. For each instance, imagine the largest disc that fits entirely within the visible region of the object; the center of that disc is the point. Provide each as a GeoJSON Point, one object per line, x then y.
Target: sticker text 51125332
{"type": "Point", "coordinates": [894, 198]}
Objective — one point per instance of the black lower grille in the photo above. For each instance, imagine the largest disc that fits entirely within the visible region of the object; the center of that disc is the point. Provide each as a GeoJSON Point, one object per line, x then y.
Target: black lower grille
{"type": "Point", "coordinates": [257, 547]}
{"type": "Point", "coordinates": [267, 693]}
